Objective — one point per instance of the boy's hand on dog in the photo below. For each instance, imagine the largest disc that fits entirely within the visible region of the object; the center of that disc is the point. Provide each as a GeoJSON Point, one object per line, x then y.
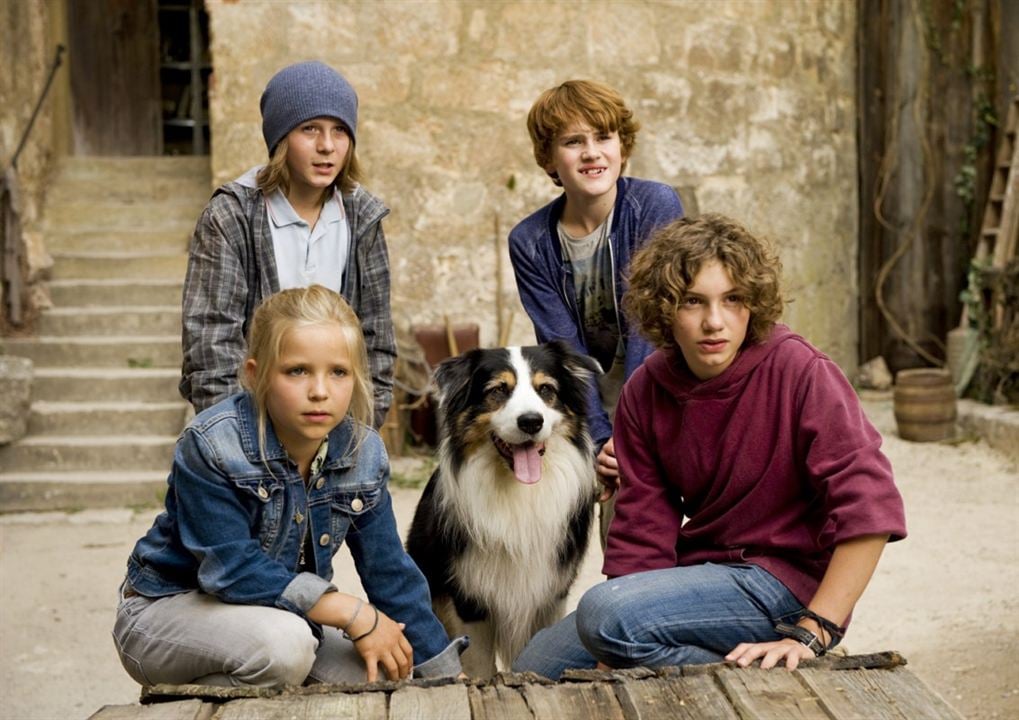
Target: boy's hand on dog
{"type": "Point", "coordinates": [388, 647]}
{"type": "Point", "coordinates": [607, 468]}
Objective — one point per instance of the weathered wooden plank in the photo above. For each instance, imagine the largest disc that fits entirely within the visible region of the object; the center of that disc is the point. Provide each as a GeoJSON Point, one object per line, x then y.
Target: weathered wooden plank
{"type": "Point", "coordinates": [448, 702]}
{"type": "Point", "coordinates": [769, 694]}
{"type": "Point", "coordinates": [895, 694]}
{"type": "Point", "coordinates": [674, 698]}
{"type": "Point", "coordinates": [337, 706]}
{"type": "Point", "coordinates": [852, 694]}
{"type": "Point", "coordinates": [573, 701]}
{"type": "Point", "coordinates": [181, 710]}
{"type": "Point", "coordinates": [704, 697]}
{"type": "Point", "coordinates": [498, 702]}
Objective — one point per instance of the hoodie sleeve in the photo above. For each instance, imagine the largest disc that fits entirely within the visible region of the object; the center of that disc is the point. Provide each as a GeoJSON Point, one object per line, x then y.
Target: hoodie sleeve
{"type": "Point", "coordinates": [645, 528]}
{"type": "Point", "coordinates": [843, 458]}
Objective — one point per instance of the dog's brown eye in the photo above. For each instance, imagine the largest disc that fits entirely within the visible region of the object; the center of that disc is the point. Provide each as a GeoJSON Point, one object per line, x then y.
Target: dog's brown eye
{"type": "Point", "coordinates": [546, 392]}
{"type": "Point", "coordinates": [499, 392]}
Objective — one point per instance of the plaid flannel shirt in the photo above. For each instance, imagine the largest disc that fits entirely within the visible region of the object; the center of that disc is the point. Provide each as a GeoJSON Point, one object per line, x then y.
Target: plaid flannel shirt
{"type": "Point", "coordinates": [232, 268]}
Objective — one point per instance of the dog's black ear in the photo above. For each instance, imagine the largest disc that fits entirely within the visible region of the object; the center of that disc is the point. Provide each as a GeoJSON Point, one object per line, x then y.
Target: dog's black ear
{"type": "Point", "coordinates": [453, 377]}
{"type": "Point", "coordinates": [582, 366]}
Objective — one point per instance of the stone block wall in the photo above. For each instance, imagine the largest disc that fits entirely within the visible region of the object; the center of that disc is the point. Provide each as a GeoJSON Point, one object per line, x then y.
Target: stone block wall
{"type": "Point", "coordinates": [15, 388]}
{"type": "Point", "coordinates": [26, 53]}
{"type": "Point", "coordinates": [750, 103]}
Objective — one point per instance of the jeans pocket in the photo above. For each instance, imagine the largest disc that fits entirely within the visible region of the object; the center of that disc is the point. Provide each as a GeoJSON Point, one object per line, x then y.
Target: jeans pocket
{"type": "Point", "coordinates": [122, 635]}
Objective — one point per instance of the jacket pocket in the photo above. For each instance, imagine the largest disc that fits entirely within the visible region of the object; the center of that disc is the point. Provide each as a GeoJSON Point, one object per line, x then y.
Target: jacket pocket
{"type": "Point", "coordinates": [266, 497]}
{"type": "Point", "coordinates": [351, 507]}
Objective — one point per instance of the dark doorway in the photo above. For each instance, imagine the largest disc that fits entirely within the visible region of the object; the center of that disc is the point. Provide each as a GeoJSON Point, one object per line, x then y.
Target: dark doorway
{"type": "Point", "coordinates": [184, 68]}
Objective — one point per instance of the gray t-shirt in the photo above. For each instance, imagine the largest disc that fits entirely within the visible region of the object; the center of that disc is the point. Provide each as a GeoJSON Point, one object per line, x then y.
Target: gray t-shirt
{"type": "Point", "coordinates": [590, 257]}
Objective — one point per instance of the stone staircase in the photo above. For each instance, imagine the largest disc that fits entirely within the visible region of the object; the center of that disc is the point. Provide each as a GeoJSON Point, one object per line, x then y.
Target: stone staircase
{"type": "Point", "coordinates": [105, 410]}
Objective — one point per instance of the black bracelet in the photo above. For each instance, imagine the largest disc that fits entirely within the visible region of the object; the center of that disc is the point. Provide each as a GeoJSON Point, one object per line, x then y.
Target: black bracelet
{"type": "Point", "coordinates": [837, 632]}
{"type": "Point", "coordinates": [362, 636]}
{"type": "Point", "coordinates": [357, 611]}
{"type": "Point", "coordinates": [802, 636]}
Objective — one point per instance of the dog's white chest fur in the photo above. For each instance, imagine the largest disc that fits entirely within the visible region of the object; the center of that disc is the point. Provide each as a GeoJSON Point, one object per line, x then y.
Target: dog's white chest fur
{"type": "Point", "coordinates": [503, 526]}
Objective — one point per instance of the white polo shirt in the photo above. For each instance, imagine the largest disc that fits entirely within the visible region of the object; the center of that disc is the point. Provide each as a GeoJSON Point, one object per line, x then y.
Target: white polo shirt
{"type": "Point", "coordinates": [307, 256]}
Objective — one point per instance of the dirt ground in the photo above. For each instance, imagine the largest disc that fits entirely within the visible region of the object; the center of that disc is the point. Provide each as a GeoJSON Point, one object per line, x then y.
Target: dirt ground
{"type": "Point", "coordinates": [946, 597]}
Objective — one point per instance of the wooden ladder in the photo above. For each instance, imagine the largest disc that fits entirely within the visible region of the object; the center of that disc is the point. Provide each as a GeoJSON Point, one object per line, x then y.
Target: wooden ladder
{"type": "Point", "coordinates": [999, 232]}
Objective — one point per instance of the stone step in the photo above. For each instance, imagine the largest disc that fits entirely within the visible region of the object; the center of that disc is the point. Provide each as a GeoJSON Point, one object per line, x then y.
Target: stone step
{"type": "Point", "coordinates": [74, 384]}
{"type": "Point", "coordinates": [125, 265]}
{"type": "Point", "coordinates": [114, 418]}
{"type": "Point", "coordinates": [137, 351]}
{"type": "Point", "coordinates": [46, 453]}
{"type": "Point", "coordinates": [190, 189]}
{"type": "Point", "coordinates": [90, 241]}
{"type": "Point", "coordinates": [122, 216]}
{"type": "Point", "coordinates": [85, 292]}
{"type": "Point", "coordinates": [111, 320]}
{"type": "Point", "coordinates": [135, 168]}
{"type": "Point", "coordinates": [69, 491]}
{"type": "Point", "coordinates": [136, 165]}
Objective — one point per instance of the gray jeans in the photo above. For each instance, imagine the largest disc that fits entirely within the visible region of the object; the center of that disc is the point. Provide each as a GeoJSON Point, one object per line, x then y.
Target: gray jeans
{"type": "Point", "coordinates": [195, 638]}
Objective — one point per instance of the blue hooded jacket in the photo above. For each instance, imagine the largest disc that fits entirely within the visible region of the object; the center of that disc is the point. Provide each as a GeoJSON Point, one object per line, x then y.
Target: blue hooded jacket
{"type": "Point", "coordinates": [545, 280]}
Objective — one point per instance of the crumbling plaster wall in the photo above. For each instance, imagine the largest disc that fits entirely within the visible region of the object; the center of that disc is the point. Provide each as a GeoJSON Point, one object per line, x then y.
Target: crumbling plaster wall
{"type": "Point", "coordinates": [750, 103]}
{"type": "Point", "coordinates": [26, 54]}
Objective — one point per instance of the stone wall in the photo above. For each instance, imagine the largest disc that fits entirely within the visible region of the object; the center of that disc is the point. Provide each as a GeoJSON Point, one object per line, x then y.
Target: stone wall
{"type": "Point", "coordinates": [26, 53]}
{"type": "Point", "coordinates": [749, 103]}
{"type": "Point", "coordinates": [15, 389]}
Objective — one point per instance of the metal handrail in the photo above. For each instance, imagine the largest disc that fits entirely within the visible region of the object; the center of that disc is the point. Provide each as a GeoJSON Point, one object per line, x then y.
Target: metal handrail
{"type": "Point", "coordinates": [10, 223]}
{"type": "Point", "coordinates": [38, 104]}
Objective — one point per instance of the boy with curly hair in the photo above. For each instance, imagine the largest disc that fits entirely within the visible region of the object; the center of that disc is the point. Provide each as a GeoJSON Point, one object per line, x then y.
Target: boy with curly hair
{"type": "Point", "coordinates": [755, 501]}
{"type": "Point", "coordinates": [570, 257]}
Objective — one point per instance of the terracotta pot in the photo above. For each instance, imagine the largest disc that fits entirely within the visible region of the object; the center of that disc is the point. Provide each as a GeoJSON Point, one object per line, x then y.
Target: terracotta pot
{"type": "Point", "coordinates": [925, 404]}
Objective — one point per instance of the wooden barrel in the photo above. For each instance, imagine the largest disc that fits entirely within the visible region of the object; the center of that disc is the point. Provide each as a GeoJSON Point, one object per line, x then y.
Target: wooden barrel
{"type": "Point", "coordinates": [924, 404]}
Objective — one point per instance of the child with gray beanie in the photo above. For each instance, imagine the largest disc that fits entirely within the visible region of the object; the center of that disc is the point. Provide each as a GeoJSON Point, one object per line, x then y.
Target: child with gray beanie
{"type": "Point", "coordinates": [300, 219]}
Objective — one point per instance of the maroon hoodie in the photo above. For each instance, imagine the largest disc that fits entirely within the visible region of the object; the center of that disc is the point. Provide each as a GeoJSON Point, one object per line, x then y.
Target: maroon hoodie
{"type": "Point", "coordinates": [772, 463]}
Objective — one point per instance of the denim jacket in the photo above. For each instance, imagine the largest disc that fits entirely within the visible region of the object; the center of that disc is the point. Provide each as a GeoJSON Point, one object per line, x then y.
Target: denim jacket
{"type": "Point", "coordinates": [234, 525]}
{"type": "Point", "coordinates": [545, 280]}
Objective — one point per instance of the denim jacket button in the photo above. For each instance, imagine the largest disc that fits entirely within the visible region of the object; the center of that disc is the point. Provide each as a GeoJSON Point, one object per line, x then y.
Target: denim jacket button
{"type": "Point", "coordinates": [262, 492]}
{"type": "Point", "coordinates": [324, 540]}
{"type": "Point", "coordinates": [320, 482]}
{"type": "Point", "coordinates": [356, 504]}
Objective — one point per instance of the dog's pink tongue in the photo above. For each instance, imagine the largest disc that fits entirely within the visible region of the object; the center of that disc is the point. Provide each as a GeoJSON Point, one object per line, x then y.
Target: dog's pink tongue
{"type": "Point", "coordinates": [527, 464]}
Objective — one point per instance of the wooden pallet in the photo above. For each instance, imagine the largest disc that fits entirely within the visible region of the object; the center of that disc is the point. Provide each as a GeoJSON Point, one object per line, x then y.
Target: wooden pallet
{"type": "Point", "coordinates": [831, 688]}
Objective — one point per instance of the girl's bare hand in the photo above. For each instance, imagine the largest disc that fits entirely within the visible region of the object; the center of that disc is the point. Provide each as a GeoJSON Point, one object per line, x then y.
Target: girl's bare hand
{"type": "Point", "coordinates": [386, 647]}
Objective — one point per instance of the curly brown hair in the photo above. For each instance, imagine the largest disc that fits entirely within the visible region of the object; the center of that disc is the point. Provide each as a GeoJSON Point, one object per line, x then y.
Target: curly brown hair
{"type": "Point", "coordinates": [666, 266]}
{"type": "Point", "coordinates": [576, 101]}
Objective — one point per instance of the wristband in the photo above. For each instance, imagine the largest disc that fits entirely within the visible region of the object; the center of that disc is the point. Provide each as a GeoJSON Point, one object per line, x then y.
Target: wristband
{"type": "Point", "coordinates": [357, 610]}
{"type": "Point", "coordinates": [375, 624]}
{"type": "Point", "coordinates": [802, 636]}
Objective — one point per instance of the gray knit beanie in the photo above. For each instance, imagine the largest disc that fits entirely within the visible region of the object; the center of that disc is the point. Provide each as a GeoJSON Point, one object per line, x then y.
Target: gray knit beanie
{"type": "Point", "coordinates": [302, 92]}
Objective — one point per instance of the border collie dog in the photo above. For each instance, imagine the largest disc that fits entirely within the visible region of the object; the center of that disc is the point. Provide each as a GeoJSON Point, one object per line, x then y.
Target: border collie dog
{"type": "Point", "coordinates": [502, 526]}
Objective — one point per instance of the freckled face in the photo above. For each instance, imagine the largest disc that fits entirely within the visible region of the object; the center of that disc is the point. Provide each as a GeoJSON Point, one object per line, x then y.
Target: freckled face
{"type": "Point", "coordinates": [711, 323]}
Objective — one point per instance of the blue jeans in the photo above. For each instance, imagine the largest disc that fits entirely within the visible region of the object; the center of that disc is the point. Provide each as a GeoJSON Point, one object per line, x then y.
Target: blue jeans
{"type": "Point", "coordinates": [677, 616]}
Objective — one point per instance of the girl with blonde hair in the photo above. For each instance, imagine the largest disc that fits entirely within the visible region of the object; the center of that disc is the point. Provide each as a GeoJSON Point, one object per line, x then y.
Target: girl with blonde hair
{"type": "Point", "coordinates": [231, 585]}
